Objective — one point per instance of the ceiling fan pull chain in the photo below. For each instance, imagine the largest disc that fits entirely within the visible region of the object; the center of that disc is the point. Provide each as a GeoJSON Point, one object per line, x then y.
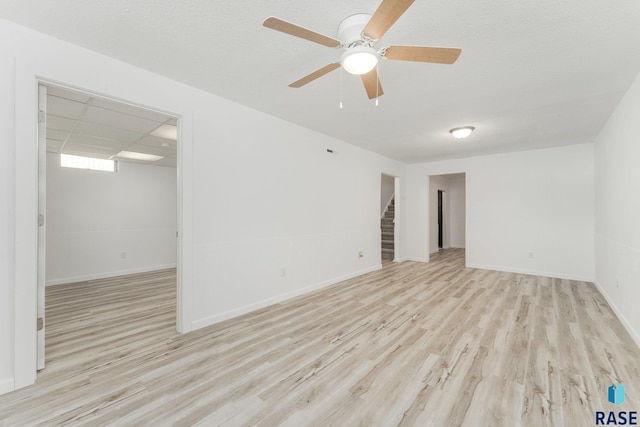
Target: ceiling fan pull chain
{"type": "Point", "coordinates": [341, 88]}
{"type": "Point", "coordinates": [377, 82]}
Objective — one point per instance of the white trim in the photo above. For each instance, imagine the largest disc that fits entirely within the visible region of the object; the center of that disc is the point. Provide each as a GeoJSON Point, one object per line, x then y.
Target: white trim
{"type": "Point", "coordinates": [397, 246]}
{"type": "Point", "coordinates": [6, 386]}
{"type": "Point", "coordinates": [211, 320]}
{"type": "Point", "coordinates": [27, 79]}
{"type": "Point", "coordinates": [531, 272]}
{"type": "Point", "coordinates": [108, 274]}
{"type": "Point", "coordinates": [185, 256]}
{"type": "Point", "coordinates": [415, 259]}
{"type": "Point", "coordinates": [26, 215]}
{"type": "Point", "coordinates": [627, 325]}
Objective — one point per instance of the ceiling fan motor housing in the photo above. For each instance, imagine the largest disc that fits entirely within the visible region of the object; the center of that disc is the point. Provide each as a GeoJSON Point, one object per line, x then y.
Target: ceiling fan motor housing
{"type": "Point", "coordinates": [350, 29]}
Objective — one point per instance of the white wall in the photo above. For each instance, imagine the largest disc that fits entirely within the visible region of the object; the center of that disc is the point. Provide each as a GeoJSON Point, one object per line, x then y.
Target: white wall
{"type": "Point", "coordinates": [457, 217]}
{"type": "Point", "coordinates": [387, 188]}
{"type": "Point", "coordinates": [617, 166]}
{"type": "Point", "coordinates": [7, 206]}
{"type": "Point", "coordinates": [311, 214]}
{"type": "Point", "coordinates": [539, 202]}
{"type": "Point", "coordinates": [259, 195]}
{"type": "Point", "coordinates": [93, 217]}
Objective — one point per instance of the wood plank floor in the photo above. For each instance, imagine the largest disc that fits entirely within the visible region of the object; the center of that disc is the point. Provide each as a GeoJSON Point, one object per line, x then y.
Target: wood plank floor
{"type": "Point", "coordinates": [412, 344]}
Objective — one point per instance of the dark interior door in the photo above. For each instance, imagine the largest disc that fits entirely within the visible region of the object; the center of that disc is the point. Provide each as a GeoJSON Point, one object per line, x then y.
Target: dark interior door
{"type": "Point", "coordinates": [440, 219]}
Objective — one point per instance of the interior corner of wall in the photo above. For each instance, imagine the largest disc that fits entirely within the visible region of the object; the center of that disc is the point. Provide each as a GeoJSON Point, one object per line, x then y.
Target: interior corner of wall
{"type": "Point", "coordinates": [635, 335]}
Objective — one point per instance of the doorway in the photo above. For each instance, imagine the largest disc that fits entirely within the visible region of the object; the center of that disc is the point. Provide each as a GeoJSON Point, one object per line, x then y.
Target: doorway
{"type": "Point", "coordinates": [440, 219]}
{"type": "Point", "coordinates": [447, 212]}
{"type": "Point", "coordinates": [389, 218]}
{"type": "Point", "coordinates": [108, 191]}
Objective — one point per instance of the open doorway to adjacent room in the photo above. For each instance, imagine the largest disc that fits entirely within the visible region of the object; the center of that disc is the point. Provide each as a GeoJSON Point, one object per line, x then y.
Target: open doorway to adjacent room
{"type": "Point", "coordinates": [107, 233]}
{"type": "Point", "coordinates": [389, 218]}
{"type": "Point", "coordinates": [447, 212]}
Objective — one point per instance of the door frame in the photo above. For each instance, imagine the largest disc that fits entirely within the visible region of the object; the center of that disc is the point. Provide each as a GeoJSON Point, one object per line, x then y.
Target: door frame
{"type": "Point", "coordinates": [25, 292]}
{"type": "Point", "coordinates": [440, 219]}
{"type": "Point", "coordinates": [42, 224]}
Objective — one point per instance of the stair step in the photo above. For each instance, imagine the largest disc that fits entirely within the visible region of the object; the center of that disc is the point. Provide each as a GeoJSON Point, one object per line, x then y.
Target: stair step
{"type": "Point", "coordinates": [387, 231]}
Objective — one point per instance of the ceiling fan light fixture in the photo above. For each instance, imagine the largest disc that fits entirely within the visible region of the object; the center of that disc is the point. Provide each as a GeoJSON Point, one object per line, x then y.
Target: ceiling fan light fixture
{"type": "Point", "coordinates": [359, 60]}
{"type": "Point", "coordinates": [462, 132]}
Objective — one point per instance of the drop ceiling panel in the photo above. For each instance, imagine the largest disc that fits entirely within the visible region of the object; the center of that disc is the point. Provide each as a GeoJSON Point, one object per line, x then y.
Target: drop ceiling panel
{"type": "Point", "coordinates": [60, 123]}
{"type": "Point", "coordinates": [166, 131]}
{"type": "Point", "coordinates": [95, 155]}
{"type": "Point", "coordinates": [64, 107]}
{"type": "Point", "coordinates": [167, 161]}
{"type": "Point", "coordinates": [58, 135]}
{"type": "Point", "coordinates": [97, 142]}
{"type": "Point", "coordinates": [119, 120]}
{"type": "Point", "coordinates": [87, 150]}
{"type": "Point", "coordinates": [147, 149]}
{"type": "Point", "coordinates": [110, 132]}
{"type": "Point", "coordinates": [130, 110]}
{"type": "Point", "coordinates": [53, 145]}
{"type": "Point", "coordinates": [68, 94]}
{"type": "Point", "coordinates": [155, 141]}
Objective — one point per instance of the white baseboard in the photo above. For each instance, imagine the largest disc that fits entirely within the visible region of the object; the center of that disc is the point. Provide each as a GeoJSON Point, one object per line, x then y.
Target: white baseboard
{"type": "Point", "coordinates": [415, 259]}
{"type": "Point", "coordinates": [6, 386]}
{"type": "Point", "coordinates": [105, 275]}
{"type": "Point", "coordinates": [531, 272]}
{"type": "Point", "coordinates": [211, 320]}
{"type": "Point", "coordinates": [634, 334]}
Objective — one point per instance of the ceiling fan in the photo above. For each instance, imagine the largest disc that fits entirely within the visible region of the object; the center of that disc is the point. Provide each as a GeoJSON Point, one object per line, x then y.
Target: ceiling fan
{"type": "Point", "coordinates": [358, 35]}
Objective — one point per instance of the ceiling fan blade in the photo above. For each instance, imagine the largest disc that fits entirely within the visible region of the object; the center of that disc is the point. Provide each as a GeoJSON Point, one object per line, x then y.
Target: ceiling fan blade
{"type": "Point", "coordinates": [298, 31]}
{"type": "Point", "coordinates": [384, 17]}
{"type": "Point", "coordinates": [372, 84]}
{"type": "Point", "coordinates": [438, 55]}
{"type": "Point", "coordinates": [316, 74]}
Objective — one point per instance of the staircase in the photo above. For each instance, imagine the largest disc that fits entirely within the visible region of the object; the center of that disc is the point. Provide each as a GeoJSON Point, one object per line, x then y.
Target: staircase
{"type": "Point", "coordinates": [386, 227]}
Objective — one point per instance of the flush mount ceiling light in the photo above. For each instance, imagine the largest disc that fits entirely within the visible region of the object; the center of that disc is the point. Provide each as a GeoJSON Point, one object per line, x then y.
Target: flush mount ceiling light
{"type": "Point", "coordinates": [359, 60]}
{"type": "Point", "coordinates": [461, 132]}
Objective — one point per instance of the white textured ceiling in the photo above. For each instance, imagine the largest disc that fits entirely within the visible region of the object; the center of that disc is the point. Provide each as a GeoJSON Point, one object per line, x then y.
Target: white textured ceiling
{"type": "Point", "coordinates": [531, 73]}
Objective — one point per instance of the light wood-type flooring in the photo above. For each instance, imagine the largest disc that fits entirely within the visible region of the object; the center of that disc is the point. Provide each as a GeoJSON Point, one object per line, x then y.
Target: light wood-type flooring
{"type": "Point", "coordinates": [413, 344]}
